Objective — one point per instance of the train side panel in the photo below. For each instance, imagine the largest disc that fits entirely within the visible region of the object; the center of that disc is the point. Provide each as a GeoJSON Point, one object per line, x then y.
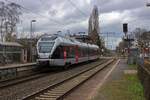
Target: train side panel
{"type": "Point", "coordinates": [65, 52]}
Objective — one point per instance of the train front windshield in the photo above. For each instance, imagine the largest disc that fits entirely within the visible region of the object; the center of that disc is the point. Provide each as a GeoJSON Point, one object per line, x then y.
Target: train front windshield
{"type": "Point", "coordinates": [45, 47]}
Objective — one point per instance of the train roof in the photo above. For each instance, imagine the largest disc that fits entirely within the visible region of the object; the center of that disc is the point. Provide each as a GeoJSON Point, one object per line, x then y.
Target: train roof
{"type": "Point", "coordinates": [10, 44]}
{"type": "Point", "coordinates": [67, 40]}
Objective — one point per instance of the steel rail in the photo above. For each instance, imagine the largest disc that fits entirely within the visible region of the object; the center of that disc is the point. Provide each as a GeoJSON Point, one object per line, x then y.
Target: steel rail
{"type": "Point", "coordinates": [58, 90]}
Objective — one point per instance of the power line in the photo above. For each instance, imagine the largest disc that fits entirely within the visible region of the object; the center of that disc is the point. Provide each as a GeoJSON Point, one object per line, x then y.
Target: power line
{"type": "Point", "coordinates": [37, 13]}
{"type": "Point", "coordinates": [46, 5]}
{"type": "Point", "coordinates": [77, 8]}
{"type": "Point", "coordinates": [44, 16]}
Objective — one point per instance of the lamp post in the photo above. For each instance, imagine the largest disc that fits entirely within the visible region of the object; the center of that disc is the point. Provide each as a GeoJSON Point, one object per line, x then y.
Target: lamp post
{"type": "Point", "coordinates": [31, 37]}
{"type": "Point", "coordinates": [31, 28]}
{"type": "Point", "coordinates": [148, 4]}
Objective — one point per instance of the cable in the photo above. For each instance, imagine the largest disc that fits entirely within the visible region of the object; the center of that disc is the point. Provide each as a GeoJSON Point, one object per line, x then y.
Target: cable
{"type": "Point", "coordinates": [77, 8]}
{"type": "Point", "coordinates": [37, 13]}
{"type": "Point", "coordinates": [45, 4]}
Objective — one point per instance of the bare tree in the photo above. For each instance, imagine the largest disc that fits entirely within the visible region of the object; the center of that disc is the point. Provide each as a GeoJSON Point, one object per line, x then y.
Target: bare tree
{"type": "Point", "coordinates": [93, 29]}
{"type": "Point", "coordinates": [142, 36]}
{"type": "Point", "coordinates": [2, 16]}
{"type": "Point", "coordinates": [138, 32]}
{"type": "Point", "coordinates": [9, 17]}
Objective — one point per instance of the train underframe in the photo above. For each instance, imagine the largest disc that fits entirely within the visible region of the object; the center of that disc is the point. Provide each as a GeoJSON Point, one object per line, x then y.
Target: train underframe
{"type": "Point", "coordinates": [64, 62]}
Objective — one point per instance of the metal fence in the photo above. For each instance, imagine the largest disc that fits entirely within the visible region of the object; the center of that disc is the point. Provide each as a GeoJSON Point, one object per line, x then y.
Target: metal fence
{"type": "Point", "coordinates": [144, 76]}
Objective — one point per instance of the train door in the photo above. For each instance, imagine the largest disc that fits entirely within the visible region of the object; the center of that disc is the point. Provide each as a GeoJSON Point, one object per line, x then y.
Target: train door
{"type": "Point", "coordinates": [65, 54]}
{"type": "Point", "coordinates": [76, 54]}
{"type": "Point", "coordinates": [88, 52]}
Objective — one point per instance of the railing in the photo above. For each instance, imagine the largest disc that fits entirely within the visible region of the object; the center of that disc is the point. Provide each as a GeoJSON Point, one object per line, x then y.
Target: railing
{"type": "Point", "coordinates": [144, 76]}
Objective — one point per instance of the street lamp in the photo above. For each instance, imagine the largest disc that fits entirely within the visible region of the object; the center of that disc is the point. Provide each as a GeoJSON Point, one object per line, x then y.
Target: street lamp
{"type": "Point", "coordinates": [31, 37]}
{"type": "Point", "coordinates": [148, 4]}
{"type": "Point", "coordinates": [31, 28]}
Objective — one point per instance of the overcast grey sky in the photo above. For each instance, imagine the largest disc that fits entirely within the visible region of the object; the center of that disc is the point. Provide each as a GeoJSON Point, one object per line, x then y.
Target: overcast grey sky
{"type": "Point", "coordinates": [54, 15]}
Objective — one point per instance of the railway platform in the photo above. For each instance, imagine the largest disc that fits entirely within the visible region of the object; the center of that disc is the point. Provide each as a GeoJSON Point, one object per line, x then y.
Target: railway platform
{"type": "Point", "coordinates": [84, 85]}
{"type": "Point", "coordinates": [8, 66]}
{"type": "Point", "coordinates": [122, 84]}
{"type": "Point", "coordinates": [11, 70]}
{"type": "Point", "coordinates": [99, 87]}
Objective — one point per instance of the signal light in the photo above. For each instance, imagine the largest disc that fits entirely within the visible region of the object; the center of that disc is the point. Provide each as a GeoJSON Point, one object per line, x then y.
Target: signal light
{"type": "Point", "coordinates": [125, 28]}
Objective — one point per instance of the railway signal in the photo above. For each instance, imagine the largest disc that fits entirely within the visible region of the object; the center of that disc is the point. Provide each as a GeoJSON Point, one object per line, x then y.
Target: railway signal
{"type": "Point", "coordinates": [125, 28]}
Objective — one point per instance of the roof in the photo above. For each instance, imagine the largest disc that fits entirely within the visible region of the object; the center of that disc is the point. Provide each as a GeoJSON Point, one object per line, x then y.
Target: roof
{"type": "Point", "coordinates": [76, 42]}
{"type": "Point", "coordinates": [73, 41]}
{"type": "Point", "coordinates": [10, 44]}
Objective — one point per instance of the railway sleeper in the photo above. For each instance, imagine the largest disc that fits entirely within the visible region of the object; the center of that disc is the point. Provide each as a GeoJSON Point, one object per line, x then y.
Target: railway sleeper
{"type": "Point", "coordinates": [50, 93]}
{"type": "Point", "coordinates": [62, 91]}
{"type": "Point", "coordinates": [56, 92]}
{"type": "Point", "coordinates": [50, 96]}
{"type": "Point", "coordinates": [42, 98]}
{"type": "Point", "coordinates": [64, 88]}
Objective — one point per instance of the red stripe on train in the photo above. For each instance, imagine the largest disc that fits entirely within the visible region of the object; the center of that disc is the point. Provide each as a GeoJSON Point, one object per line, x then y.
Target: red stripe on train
{"type": "Point", "coordinates": [76, 53]}
{"type": "Point", "coordinates": [65, 54]}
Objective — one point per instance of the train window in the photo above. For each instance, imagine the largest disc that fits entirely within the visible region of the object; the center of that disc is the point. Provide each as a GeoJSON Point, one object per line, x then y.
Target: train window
{"type": "Point", "coordinates": [71, 52]}
{"type": "Point", "coordinates": [58, 53]}
{"type": "Point", "coordinates": [82, 52]}
{"type": "Point", "coordinates": [48, 38]}
{"type": "Point", "coordinates": [79, 51]}
{"type": "Point", "coordinates": [45, 47]}
{"type": "Point", "coordinates": [1, 48]}
{"type": "Point", "coordinates": [86, 52]}
{"type": "Point", "coordinates": [68, 52]}
{"type": "Point", "coordinates": [91, 52]}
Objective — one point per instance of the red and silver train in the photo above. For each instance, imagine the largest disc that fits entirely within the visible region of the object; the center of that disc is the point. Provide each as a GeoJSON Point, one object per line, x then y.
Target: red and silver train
{"type": "Point", "coordinates": [56, 50]}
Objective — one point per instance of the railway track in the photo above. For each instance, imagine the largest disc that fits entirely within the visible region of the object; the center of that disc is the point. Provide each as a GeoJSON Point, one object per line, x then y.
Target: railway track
{"type": "Point", "coordinates": [58, 90]}
{"type": "Point", "coordinates": [22, 89]}
{"type": "Point", "coordinates": [24, 78]}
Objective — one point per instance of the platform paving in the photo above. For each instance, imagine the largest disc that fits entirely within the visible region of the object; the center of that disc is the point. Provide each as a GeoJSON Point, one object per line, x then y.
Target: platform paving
{"type": "Point", "coordinates": [91, 90]}
{"type": "Point", "coordinates": [87, 89]}
{"type": "Point", "coordinates": [118, 87]}
{"type": "Point", "coordinates": [7, 66]}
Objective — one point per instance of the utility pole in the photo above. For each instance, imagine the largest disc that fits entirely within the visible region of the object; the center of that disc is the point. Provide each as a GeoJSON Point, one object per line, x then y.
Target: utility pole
{"type": "Point", "coordinates": [108, 38]}
{"type": "Point", "coordinates": [2, 30]}
{"type": "Point", "coordinates": [31, 37]}
{"type": "Point", "coordinates": [31, 28]}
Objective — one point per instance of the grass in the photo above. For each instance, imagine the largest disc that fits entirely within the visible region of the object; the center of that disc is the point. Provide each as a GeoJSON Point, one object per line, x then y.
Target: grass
{"type": "Point", "coordinates": [132, 66]}
{"type": "Point", "coordinates": [127, 88]}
